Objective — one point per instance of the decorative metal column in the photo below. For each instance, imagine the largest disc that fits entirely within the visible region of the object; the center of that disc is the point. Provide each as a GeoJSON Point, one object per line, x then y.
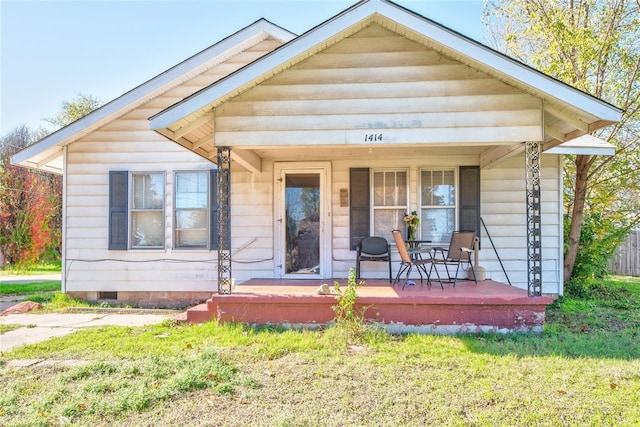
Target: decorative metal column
{"type": "Point", "coordinates": [534, 225]}
{"type": "Point", "coordinates": [224, 220]}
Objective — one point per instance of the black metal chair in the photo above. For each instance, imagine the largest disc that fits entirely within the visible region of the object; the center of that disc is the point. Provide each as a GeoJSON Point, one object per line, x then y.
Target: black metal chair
{"type": "Point", "coordinates": [459, 252]}
{"type": "Point", "coordinates": [373, 249]}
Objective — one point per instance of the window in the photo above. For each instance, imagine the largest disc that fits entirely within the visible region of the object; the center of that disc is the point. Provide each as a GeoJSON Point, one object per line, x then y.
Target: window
{"type": "Point", "coordinates": [438, 190]}
{"type": "Point", "coordinates": [191, 210]}
{"type": "Point", "coordinates": [390, 201]}
{"type": "Point", "coordinates": [147, 210]}
{"type": "Point", "coordinates": [437, 204]}
{"type": "Point", "coordinates": [136, 210]}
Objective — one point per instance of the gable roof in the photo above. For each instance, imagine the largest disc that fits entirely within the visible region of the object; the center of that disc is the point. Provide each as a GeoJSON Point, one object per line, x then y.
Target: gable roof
{"type": "Point", "coordinates": [46, 154]}
{"type": "Point", "coordinates": [569, 112]}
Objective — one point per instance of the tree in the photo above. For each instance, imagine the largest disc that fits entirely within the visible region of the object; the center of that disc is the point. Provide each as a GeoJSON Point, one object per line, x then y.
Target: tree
{"type": "Point", "coordinates": [593, 45]}
{"type": "Point", "coordinates": [29, 205]}
{"type": "Point", "coordinates": [75, 109]}
{"type": "Point", "coordinates": [30, 200]}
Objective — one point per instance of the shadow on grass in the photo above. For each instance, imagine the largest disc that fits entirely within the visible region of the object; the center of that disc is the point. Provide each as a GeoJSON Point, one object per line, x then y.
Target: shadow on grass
{"type": "Point", "coordinates": [599, 333]}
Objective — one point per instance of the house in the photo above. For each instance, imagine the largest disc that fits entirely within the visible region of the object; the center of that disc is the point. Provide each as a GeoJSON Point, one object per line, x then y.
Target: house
{"type": "Point", "coordinates": [270, 155]}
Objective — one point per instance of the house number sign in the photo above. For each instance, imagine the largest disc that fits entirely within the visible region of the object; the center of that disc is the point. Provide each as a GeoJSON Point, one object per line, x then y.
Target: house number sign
{"type": "Point", "coordinates": [373, 137]}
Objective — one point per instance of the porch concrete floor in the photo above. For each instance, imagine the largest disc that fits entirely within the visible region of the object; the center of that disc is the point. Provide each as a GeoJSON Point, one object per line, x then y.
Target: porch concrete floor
{"type": "Point", "coordinates": [469, 307]}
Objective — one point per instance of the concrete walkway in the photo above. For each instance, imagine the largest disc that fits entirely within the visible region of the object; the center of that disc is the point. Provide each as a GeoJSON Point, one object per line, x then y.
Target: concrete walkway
{"type": "Point", "coordinates": [40, 327]}
{"type": "Point", "coordinates": [14, 279]}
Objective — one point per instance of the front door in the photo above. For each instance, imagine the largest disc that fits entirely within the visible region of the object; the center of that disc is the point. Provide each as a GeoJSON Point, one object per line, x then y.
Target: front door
{"type": "Point", "coordinates": [303, 220]}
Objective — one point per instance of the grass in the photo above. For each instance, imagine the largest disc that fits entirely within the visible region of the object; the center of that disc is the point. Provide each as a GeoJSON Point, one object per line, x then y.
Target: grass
{"type": "Point", "coordinates": [4, 328]}
{"type": "Point", "coordinates": [37, 291]}
{"type": "Point", "coordinates": [30, 270]}
{"type": "Point", "coordinates": [29, 288]}
{"type": "Point", "coordinates": [583, 370]}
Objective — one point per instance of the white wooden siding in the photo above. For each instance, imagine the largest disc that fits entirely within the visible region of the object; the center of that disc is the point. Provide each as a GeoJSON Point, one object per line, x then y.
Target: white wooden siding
{"type": "Point", "coordinates": [129, 144]}
{"type": "Point", "coordinates": [503, 210]}
{"type": "Point", "coordinates": [377, 80]}
{"type": "Point", "coordinates": [336, 95]}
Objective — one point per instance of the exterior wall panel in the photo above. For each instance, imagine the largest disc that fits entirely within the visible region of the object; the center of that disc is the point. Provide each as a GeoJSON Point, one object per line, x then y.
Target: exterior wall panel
{"type": "Point", "coordinates": [129, 144]}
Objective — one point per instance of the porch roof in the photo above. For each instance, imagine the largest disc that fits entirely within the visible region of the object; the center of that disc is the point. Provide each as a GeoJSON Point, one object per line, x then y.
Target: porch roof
{"type": "Point", "coordinates": [568, 112]}
{"type": "Point", "coordinates": [585, 144]}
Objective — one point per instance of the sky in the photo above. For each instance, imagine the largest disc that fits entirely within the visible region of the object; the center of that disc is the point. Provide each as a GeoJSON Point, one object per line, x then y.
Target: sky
{"type": "Point", "coordinates": [51, 51]}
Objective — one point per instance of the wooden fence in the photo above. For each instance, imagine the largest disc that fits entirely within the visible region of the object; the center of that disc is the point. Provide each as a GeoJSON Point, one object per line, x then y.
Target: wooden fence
{"type": "Point", "coordinates": [626, 259]}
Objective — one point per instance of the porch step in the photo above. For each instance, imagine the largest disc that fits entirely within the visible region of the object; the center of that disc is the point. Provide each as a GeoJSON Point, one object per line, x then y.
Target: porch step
{"type": "Point", "coordinates": [199, 314]}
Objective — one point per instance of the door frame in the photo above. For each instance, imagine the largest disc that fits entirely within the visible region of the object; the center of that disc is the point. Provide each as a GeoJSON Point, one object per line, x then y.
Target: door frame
{"type": "Point", "coordinates": [281, 169]}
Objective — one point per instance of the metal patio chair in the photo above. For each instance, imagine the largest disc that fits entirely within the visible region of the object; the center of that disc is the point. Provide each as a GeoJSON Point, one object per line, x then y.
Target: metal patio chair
{"type": "Point", "coordinates": [373, 249]}
{"type": "Point", "coordinates": [458, 253]}
{"type": "Point", "coordinates": [410, 258]}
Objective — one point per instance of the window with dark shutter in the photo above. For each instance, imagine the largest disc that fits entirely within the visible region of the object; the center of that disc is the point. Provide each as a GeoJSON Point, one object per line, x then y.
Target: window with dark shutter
{"type": "Point", "coordinates": [469, 218]}
{"type": "Point", "coordinates": [118, 210]}
{"type": "Point", "coordinates": [213, 205]}
{"type": "Point", "coordinates": [358, 206]}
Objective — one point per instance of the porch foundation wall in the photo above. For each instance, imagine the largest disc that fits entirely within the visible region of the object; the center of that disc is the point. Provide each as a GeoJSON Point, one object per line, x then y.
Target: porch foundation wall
{"type": "Point", "coordinates": [148, 299]}
{"type": "Point", "coordinates": [486, 307]}
{"type": "Point", "coordinates": [436, 317]}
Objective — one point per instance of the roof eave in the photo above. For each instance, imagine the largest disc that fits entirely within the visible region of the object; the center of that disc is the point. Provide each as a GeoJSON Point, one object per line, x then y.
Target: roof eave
{"type": "Point", "coordinates": [263, 65]}
{"type": "Point", "coordinates": [151, 88]}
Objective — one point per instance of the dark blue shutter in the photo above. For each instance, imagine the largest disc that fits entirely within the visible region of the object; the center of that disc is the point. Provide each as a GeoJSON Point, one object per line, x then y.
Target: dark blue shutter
{"type": "Point", "coordinates": [469, 199]}
{"type": "Point", "coordinates": [213, 206]}
{"type": "Point", "coordinates": [359, 210]}
{"type": "Point", "coordinates": [118, 210]}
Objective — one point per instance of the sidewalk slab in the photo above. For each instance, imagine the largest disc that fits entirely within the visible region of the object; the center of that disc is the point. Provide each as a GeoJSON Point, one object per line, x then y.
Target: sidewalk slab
{"type": "Point", "coordinates": [26, 336]}
{"type": "Point", "coordinates": [40, 327]}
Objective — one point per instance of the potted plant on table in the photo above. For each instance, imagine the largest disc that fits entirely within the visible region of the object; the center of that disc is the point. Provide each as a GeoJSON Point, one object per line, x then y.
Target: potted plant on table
{"type": "Point", "coordinates": [412, 220]}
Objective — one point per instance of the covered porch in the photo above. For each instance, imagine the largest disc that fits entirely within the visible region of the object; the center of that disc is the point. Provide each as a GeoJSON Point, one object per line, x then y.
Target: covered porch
{"type": "Point", "coordinates": [488, 306]}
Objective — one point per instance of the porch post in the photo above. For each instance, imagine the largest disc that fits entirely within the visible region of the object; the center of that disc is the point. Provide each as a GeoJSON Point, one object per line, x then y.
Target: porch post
{"type": "Point", "coordinates": [224, 220]}
{"type": "Point", "coordinates": [534, 226]}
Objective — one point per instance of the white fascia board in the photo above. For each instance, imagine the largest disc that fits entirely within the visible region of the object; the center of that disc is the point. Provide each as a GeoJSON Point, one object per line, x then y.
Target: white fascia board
{"type": "Point", "coordinates": [140, 94]}
{"type": "Point", "coordinates": [501, 63]}
{"type": "Point", "coordinates": [584, 145]}
{"type": "Point", "coordinates": [259, 67]}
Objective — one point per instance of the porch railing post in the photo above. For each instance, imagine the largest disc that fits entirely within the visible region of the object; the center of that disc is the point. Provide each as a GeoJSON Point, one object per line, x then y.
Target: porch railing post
{"type": "Point", "coordinates": [224, 220]}
{"type": "Point", "coordinates": [534, 223]}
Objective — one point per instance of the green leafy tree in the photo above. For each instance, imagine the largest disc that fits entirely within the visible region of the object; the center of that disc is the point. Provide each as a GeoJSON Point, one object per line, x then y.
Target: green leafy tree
{"type": "Point", "coordinates": [593, 45]}
{"type": "Point", "coordinates": [74, 109]}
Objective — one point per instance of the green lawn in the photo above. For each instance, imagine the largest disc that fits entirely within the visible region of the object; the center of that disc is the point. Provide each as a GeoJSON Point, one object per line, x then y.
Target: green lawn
{"type": "Point", "coordinates": [29, 288]}
{"type": "Point", "coordinates": [34, 288]}
{"type": "Point", "coordinates": [583, 370]}
{"type": "Point", "coordinates": [30, 270]}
